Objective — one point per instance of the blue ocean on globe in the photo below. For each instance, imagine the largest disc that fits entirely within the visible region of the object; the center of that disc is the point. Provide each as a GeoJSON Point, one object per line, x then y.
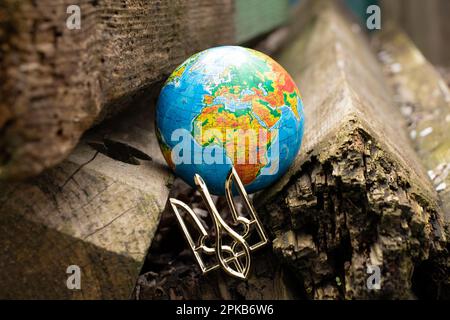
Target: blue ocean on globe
{"type": "Point", "coordinates": [229, 106]}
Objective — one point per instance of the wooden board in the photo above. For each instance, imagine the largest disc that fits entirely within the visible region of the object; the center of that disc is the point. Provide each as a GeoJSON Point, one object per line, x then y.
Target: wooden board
{"type": "Point", "coordinates": [56, 82]}
{"type": "Point", "coordinates": [99, 210]}
{"type": "Point", "coordinates": [431, 34]}
{"type": "Point", "coordinates": [424, 99]}
{"type": "Point", "coordinates": [357, 195]}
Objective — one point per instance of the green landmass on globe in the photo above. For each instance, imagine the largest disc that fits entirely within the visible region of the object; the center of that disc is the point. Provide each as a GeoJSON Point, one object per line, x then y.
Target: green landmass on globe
{"type": "Point", "coordinates": [224, 94]}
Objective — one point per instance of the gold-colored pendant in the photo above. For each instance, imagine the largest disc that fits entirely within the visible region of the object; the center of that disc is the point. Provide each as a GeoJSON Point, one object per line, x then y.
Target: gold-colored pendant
{"type": "Point", "coordinates": [233, 257]}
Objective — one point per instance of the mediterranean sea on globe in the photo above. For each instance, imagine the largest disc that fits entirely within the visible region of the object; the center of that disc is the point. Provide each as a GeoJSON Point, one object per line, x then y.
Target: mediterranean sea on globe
{"type": "Point", "coordinates": [228, 106]}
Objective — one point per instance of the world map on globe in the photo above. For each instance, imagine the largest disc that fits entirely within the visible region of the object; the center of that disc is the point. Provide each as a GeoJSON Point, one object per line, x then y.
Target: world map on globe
{"type": "Point", "coordinates": [229, 106]}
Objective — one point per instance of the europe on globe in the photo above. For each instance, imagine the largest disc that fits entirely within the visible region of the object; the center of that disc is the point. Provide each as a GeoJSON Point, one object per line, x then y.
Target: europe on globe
{"type": "Point", "coordinates": [229, 106]}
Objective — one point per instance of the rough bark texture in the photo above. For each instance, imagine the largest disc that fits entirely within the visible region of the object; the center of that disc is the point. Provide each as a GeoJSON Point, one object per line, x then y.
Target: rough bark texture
{"type": "Point", "coordinates": [357, 195]}
{"type": "Point", "coordinates": [98, 209]}
{"type": "Point", "coordinates": [55, 82]}
{"type": "Point", "coordinates": [423, 97]}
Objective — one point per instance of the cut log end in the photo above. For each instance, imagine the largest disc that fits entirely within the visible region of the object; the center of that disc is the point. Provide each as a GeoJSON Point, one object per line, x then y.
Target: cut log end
{"type": "Point", "coordinates": [98, 210]}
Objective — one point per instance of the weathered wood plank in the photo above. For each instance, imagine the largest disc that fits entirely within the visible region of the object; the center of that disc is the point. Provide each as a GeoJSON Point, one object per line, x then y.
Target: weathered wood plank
{"type": "Point", "coordinates": [424, 99]}
{"type": "Point", "coordinates": [431, 34]}
{"type": "Point", "coordinates": [357, 194]}
{"type": "Point", "coordinates": [55, 82]}
{"type": "Point", "coordinates": [98, 209]}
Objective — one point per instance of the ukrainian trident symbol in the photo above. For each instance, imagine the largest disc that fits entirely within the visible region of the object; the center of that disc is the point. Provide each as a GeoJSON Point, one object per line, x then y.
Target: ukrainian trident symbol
{"type": "Point", "coordinates": [232, 256]}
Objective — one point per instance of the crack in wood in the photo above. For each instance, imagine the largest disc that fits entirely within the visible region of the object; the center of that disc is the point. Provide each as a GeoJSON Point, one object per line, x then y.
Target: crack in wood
{"type": "Point", "coordinates": [109, 223]}
{"type": "Point", "coordinates": [78, 169]}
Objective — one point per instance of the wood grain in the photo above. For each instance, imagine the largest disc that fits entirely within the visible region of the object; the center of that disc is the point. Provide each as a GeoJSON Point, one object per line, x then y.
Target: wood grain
{"type": "Point", "coordinates": [99, 209]}
{"type": "Point", "coordinates": [357, 195]}
{"type": "Point", "coordinates": [55, 83]}
{"type": "Point", "coordinates": [424, 99]}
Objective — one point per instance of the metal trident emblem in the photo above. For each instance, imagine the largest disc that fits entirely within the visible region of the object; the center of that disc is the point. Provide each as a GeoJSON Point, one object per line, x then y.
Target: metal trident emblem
{"type": "Point", "coordinates": [234, 258]}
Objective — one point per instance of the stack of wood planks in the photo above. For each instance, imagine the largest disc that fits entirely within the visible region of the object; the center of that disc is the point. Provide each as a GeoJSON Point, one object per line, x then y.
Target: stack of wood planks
{"type": "Point", "coordinates": [83, 183]}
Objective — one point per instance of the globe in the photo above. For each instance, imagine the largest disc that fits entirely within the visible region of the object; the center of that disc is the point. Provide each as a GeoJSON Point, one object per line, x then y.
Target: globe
{"type": "Point", "coordinates": [230, 106]}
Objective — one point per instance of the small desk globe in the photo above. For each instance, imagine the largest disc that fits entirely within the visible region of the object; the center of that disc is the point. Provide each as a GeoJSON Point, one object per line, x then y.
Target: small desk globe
{"type": "Point", "coordinates": [228, 106]}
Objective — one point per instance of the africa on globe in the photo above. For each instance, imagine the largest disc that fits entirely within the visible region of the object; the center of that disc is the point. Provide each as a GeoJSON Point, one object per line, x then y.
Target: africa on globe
{"type": "Point", "coordinates": [229, 106]}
